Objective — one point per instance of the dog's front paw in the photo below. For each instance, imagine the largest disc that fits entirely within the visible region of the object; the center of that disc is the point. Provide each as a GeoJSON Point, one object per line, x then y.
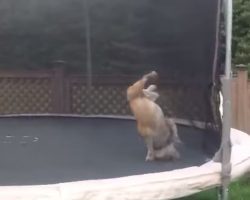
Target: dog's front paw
{"type": "Point", "coordinates": [152, 75]}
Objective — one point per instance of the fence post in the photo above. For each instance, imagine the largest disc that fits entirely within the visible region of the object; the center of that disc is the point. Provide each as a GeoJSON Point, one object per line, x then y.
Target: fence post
{"type": "Point", "coordinates": [234, 98]}
{"type": "Point", "coordinates": [67, 94]}
{"type": "Point", "coordinates": [242, 97]}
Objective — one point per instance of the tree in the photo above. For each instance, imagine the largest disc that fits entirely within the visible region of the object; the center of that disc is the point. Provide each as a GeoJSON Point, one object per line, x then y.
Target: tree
{"type": "Point", "coordinates": [241, 33]}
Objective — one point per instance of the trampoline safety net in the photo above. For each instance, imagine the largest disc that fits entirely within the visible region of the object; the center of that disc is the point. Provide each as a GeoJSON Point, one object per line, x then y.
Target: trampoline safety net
{"type": "Point", "coordinates": [116, 41]}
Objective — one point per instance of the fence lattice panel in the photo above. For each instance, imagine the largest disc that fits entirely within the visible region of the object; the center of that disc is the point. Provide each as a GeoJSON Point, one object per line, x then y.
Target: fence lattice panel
{"type": "Point", "coordinates": [25, 95]}
{"type": "Point", "coordinates": [57, 92]}
{"type": "Point", "coordinates": [178, 101]}
{"type": "Point", "coordinates": [109, 100]}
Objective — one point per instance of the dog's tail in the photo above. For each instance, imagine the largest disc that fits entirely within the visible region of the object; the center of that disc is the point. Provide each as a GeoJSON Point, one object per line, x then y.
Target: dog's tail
{"type": "Point", "coordinates": [174, 131]}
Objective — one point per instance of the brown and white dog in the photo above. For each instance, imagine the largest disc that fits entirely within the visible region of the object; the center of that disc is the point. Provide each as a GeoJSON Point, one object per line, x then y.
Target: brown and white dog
{"type": "Point", "coordinates": [159, 132]}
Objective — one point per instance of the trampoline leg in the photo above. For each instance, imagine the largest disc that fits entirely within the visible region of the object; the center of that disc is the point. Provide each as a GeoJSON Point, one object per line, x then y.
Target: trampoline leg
{"type": "Point", "coordinates": [223, 193]}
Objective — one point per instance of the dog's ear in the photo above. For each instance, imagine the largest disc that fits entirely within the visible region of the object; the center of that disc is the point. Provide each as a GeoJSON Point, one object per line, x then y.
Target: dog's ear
{"type": "Point", "coordinates": [150, 93]}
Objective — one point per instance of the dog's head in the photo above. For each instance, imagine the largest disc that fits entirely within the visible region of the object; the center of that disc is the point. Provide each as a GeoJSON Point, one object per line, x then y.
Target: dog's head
{"type": "Point", "coordinates": [151, 93]}
{"type": "Point", "coordinates": [138, 90]}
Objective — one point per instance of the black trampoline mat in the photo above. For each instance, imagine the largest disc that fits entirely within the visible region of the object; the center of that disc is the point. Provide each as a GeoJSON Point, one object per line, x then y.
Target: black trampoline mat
{"type": "Point", "coordinates": [47, 150]}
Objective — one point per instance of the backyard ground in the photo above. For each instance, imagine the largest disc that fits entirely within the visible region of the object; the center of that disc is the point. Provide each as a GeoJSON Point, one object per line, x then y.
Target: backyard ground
{"type": "Point", "coordinates": [238, 191]}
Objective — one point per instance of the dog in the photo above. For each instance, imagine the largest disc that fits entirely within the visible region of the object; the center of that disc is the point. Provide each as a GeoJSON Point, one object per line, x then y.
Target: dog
{"type": "Point", "coordinates": [159, 132]}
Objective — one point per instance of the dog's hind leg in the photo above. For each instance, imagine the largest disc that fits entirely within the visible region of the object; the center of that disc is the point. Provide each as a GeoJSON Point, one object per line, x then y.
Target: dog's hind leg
{"type": "Point", "coordinates": [150, 148]}
{"type": "Point", "coordinates": [168, 152]}
{"type": "Point", "coordinates": [174, 131]}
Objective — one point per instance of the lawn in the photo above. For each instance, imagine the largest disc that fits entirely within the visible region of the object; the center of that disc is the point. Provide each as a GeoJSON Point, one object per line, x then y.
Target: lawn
{"type": "Point", "coordinates": [238, 191]}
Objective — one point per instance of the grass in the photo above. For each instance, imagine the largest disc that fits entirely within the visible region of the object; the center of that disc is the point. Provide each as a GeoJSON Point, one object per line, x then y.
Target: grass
{"type": "Point", "coordinates": [238, 191]}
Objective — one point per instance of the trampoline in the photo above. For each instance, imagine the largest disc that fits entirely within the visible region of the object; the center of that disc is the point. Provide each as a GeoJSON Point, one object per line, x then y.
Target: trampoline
{"type": "Point", "coordinates": [49, 150]}
{"type": "Point", "coordinates": [67, 135]}
{"type": "Point", "coordinates": [75, 157]}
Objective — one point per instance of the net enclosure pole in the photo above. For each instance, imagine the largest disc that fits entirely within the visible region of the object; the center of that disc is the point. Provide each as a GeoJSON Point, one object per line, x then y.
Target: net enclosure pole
{"type": "Point", "coordinates": [88, 44]}
{"type": "Point", "coordinates": [228, 12]}
{"type": "Point", "coordinates": [226, 90]}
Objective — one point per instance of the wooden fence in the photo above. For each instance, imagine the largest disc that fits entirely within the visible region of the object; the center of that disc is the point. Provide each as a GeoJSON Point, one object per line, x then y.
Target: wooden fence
{"type": "Point", "coordinates": [241, 100]}
{"type": "Point", "coordinates": [55, 91]}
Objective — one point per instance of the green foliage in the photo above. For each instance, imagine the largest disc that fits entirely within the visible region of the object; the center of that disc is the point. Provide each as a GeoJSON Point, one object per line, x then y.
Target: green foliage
{"type": "Point", "coordinates": [126, 36]}
{"type": "Point", "coordinates": [241, 32]}
{"type": "Point", "coordinates": [35, 34]}
{"type": "Point", "coordinates": [238, 190]}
